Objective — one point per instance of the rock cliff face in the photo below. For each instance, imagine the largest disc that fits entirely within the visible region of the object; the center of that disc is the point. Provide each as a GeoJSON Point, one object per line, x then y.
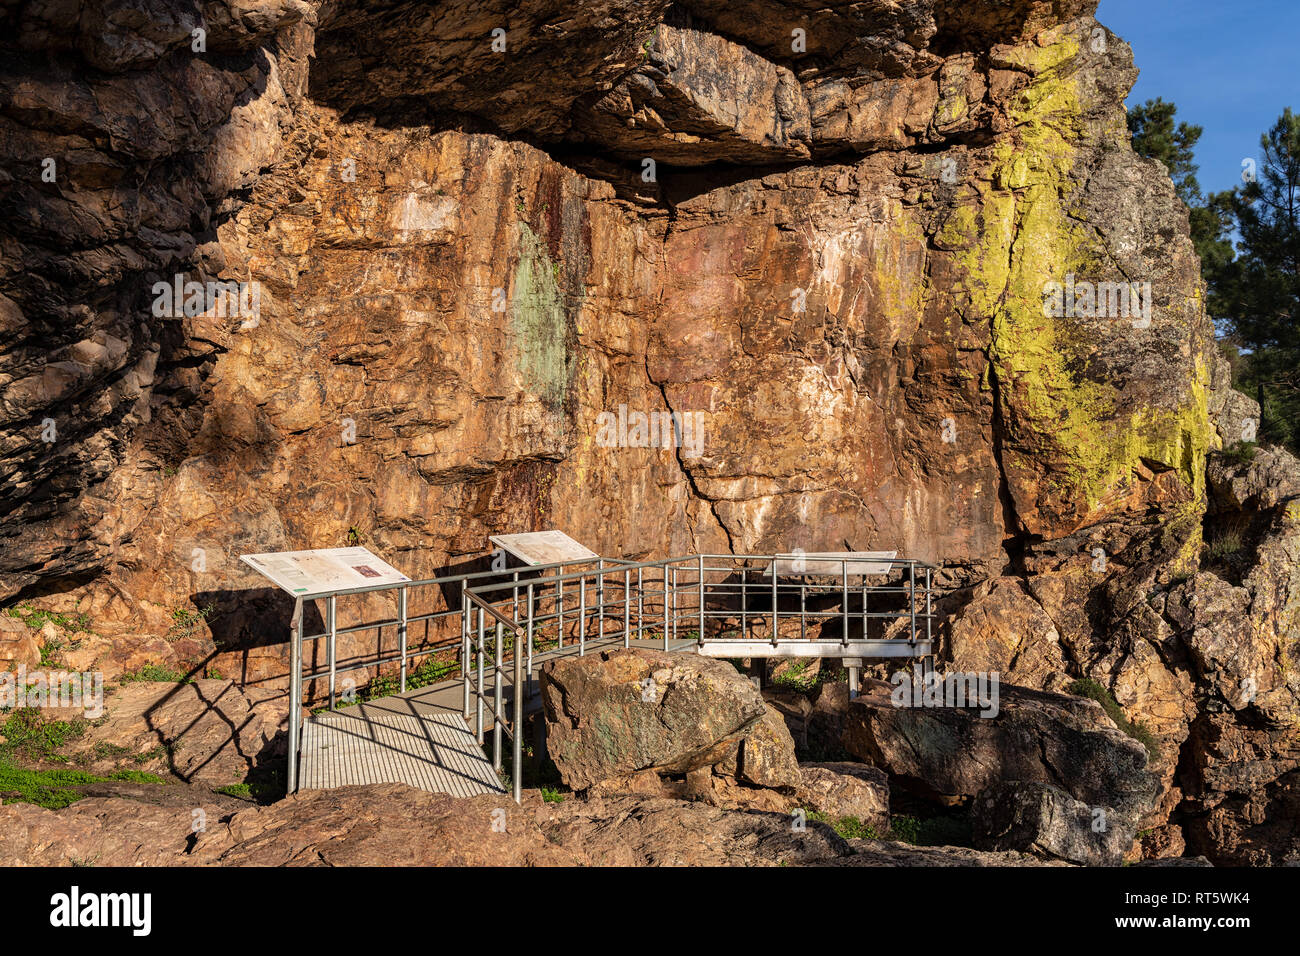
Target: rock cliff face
{"type": "Point", "coordinates": [824, 233]}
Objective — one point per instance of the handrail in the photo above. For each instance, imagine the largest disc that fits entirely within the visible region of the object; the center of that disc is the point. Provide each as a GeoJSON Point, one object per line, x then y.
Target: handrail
{"type": "Point", "coordinates": [612, 588]}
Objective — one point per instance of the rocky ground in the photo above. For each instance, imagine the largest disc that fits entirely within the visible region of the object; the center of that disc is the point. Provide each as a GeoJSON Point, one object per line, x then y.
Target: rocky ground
{"type": "Point", "coordinates": [662, 760]}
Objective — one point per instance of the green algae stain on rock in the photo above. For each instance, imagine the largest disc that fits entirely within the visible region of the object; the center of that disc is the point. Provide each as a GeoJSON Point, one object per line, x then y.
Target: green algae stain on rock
{"type": "Point", "coordinates": [539, 321]}
{"type": "Point", "coordinates": [1022, 237]}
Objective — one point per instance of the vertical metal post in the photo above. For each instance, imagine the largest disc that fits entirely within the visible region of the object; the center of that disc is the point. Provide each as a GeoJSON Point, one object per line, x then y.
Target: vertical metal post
{"type": "Point", "coordinates": [640, 601]}
{"type": "Point", "coordinates": [665, 570]}
{"type": "Point", "coordinates": [803, 610]}
{"type": "Point", "coordinates": [464, 649]}
{"type": "Point", "coordinates": [516, 597]}
{"type": "Point", "coordinates": [478, 722]}
{"type": "Point", "coordinates": [295, 693]}
{"type": "Point", "coordinates": [864, 608]}
{"type": "Point", "coordinates": [674, 594]}
{"type": "Point", "coordinates": [853, 683]}
{"type": "Point", "coordinates": [844, 615]}
{"type": "Point", "coordinates": [496, 704]}
{"type": "Point", "coordinates": [744, 600]}
{"type": "Point", "coordinates": [330, 610]}
{"type": "Point", "coordinates": [582, 614]}
{"type": "Point", "coordinates": [517, 724]}
{"type": "Point", "coordinates": [559, 603]}
{"type": "Point", "coordinates": [627, 608]}
{"type": "Point", "coordinates": [774, 601]}
{"type": "Point", "coordinates": [530, 633]}
{"type": "Point", "coordinates": [701, 634]}
{"type": "Point", "coordinates": [401, 632]}
{"type": "Point", "coordinates": [600, 596]}
{"type": "Point", "coordinates": [928, 636]}
{"type": "Point", "coordinates": [911, 596]}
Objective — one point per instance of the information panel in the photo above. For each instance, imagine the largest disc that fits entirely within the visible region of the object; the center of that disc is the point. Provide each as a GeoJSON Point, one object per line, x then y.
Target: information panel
{"type": "Point", "coordinates": [544, 547]}
{"type": "Point", "coordinates": [327, 571]}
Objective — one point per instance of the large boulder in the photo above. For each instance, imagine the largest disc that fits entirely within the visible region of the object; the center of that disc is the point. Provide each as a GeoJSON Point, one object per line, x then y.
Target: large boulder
{"type": "Point", "coordinates": [954, 753]}
{"type": "Point", "coordinates": [618, 713]}
{"type": "Point", "coordinates": [766, 757]}
{"type": "Point", "coordinates": [1043, 819]}
{"type": "Point", "coordinates": [844, 789]}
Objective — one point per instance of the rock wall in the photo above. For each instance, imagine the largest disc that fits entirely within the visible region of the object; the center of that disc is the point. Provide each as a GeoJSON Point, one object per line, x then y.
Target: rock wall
{"type": "Point", "coordinates": [825, 233]}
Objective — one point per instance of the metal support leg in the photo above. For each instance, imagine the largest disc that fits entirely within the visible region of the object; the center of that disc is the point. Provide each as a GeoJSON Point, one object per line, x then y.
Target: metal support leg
{"type": "Point", "coordinates": [700, 637]}
{"type": "Point", "coordinates": [559, 604]}
{"type": "Point", "coordinates": [665, 607]}
{"type": "Point", "coordinates": [401, 632]}
{"type": "Point", "coordinates": [911, 598]}
{"type": "Point", "coordinates": [803, 610]}
{"type": "Point", "coordinates": [517, 724]}
{"type": "Point", "coordinates": [928, 637]}
{"type": "Point", "coordinates": [530, 632]}
{"type": "Point", "coordinates": [627, 609]}
{"type": "Point", "coordinates": [774, 602]}
{"type": "Point", "coordinates": [496, 704]}
{"type": "Point", "coordinates": [479, 696]}
{"type": "Point", "coordinates": [582, 615]}
{"type": "Point", "coordinates": [674, 595]}
{"type": "Point", "coordinates": [330, 610]}
{"type": "Point", "coordinates": [295, 694]}
{"type": "Point", "coordinates": [853, 683]}
{"type": "Point", "coordinates": [744, 601]}
{"type": "Point", "coordinates": [844, 606]}
{"type": "Point", "coordinates": [600, 598]}
{"type": "Point", "coordinates": [464, 651]}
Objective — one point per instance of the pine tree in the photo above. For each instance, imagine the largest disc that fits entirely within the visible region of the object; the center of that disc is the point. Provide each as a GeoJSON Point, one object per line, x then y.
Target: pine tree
{"type": "Point", "coordinates": [1259, 291]}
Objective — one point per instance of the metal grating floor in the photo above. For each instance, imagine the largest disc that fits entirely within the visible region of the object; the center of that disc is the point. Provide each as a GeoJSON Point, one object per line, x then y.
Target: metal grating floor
{"type": "Point", "coordinates": [431, 751]}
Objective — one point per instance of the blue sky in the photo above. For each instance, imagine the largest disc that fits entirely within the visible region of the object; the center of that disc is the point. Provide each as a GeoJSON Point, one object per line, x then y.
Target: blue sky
{"type": "Point", "coordinates": [1230, 65]}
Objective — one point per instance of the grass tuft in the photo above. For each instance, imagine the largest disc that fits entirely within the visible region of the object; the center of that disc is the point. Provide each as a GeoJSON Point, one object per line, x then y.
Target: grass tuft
{"type": "Point", "coordinates": [1087, 687]}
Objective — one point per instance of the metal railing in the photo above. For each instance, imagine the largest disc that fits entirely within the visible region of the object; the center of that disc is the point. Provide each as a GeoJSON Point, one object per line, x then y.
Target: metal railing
{"type": "Point", "coordinates": [711, 603]}
{"type": "Point", "coordinates": [716, 604]}
{"type": "Point", "coordinates": [403, 623]}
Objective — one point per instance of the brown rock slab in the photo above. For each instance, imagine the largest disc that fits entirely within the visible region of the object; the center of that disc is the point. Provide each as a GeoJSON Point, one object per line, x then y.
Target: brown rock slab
{"type": "Point", "coordinates": [206, 730]}
{"type": "Point", "coordinates": [619, 712]}
{"type": "Point", "coordinates": [845, 789]}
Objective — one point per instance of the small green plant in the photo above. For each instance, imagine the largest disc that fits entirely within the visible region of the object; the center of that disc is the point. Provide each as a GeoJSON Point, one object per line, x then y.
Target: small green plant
{"type": "Point", "coordinates": [53, 789]}
{"type": "Point", "coordinates": [905, 828]}
{"type": "Point", "coordinates": [36, 618]}
{"type": "Point", "coordinates": [552, 795]}
{"type": "Point", "coordinates": [156, 672]}
{"type": "Point", "coordinates": [850, 828]}
{"type": "Point", "coordinates": [796, 677]}
{"type": "Point", "coordinates": [1224, 545]}
{"type": "Point", "coordinates": [1087, 687]}
{"type": "Point", "coordinates": [30, 734]}
{"type": "Point", "coordinates": [185, 621]}
{"type": "Point", "coordinates": [50, 652]}
{"type": "Point", "coordinates": [241, 790]}
{"type": "Point", "coordinates": [355, 536]}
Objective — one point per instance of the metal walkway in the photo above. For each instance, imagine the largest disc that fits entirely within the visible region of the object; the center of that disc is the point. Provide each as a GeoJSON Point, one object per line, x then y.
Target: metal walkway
{"type": "Point", "coordinates": [853, 606]}
{"type": "Point", "coordinates": [409, 738]}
